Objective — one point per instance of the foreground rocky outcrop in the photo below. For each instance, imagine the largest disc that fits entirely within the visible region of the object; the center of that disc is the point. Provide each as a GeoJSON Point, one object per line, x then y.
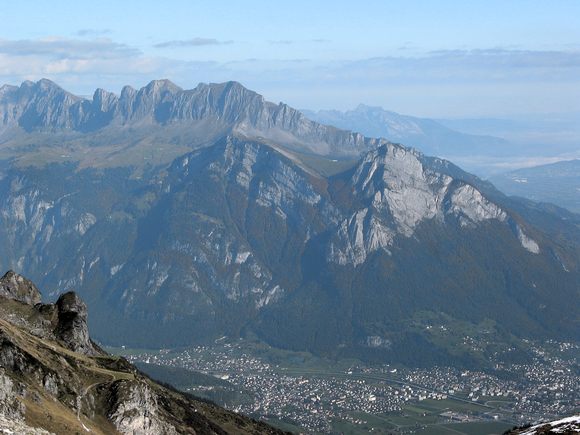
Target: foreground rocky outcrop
{"type": "Point", "coordinates": [564, 426]}
{"type": "Point", "coordinates": [14, 286]}
{"type": "Point", "coordinates": [54, 379]}
{"type": "Point", "coordinates": [72, 328]}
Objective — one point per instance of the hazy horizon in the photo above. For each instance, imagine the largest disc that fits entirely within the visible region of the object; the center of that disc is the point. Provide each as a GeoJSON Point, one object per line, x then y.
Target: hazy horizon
{"type": "Point", "coordinates": [429, 59]}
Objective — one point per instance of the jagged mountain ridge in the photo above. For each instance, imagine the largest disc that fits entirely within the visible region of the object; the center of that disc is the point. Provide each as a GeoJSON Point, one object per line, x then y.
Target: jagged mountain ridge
{"type": "Point", "coordinates": [53, 379]}
{"type": "Point", "coordinates": [215, 109]}
{"type": "Point", "coordinates": [239, 238]}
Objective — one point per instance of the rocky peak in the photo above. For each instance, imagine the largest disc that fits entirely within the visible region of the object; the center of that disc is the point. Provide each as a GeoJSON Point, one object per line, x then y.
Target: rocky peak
{"type": "Point", "coordinates": [40, 104]}
{"type": "Point", "coordinates": [399, 191]}
{"type": "Point", "coordinates": [234, 90]}
{"type": "Point", "coordinates": [15, 286]}
{"type": "Point", "coordinates": [128, 92]}
{"type": "Point", "coordinates": [226, 89]}
{"type": "Point", "coordinates": [162, 86]}
{"type": "Point", "coordinates": [397, 178]}
{"type": "Point", "coordinates": [230, 102]}
{"type": "Point", "coordinates": [72, 326]}
{"type": "Point", "coordinates": [148, 104]}
{"type": "Point", "coordinates": [364, 108]}
{"type": "Point", "coordinates": [45, 85]}
{"type": "Point", "coordinates": [46, 90]}
{"type": "Point", "coordinates": [156, 92]}
{"type": "Point", "coordinates": [103, 99]}
{"type": "Point", "coordinates": [7, 89]}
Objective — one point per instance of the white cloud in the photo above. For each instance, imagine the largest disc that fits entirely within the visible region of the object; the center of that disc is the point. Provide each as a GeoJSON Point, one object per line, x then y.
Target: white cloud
{"type": "Point", "coordinates": [92, 32]}
{"type": "Point", "coordinates": [491, 65]}
{"type": "Point", "coordinates": [441, 83]}
{"type": "Point", "coordinates": [193, 42]}
{"type": "Point", "coordinates": [65, 48]}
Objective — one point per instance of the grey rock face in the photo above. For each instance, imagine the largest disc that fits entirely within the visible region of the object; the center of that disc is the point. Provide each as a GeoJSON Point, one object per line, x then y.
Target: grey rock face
{"type": "Point", "coordinates": [10, 406]}
{"type": "Point", "coordinates": [14, 286]}
{"type": "Point", "coordinates": [401, 193]}
{"type": "Point", "coordinates": [12, 409]}
{"type": "Point", "coordinates": [72, 326]}
{"type": "Point", "coordinates": [135, 410]}
{"type": "Point", "coordinates": [39, 104]}
{"type": "Point", "coordinates": [11, 426]}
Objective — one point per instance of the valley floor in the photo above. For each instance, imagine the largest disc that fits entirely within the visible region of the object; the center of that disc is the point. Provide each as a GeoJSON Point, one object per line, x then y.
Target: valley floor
{"type": "Point", "coordinates": [298, 391]}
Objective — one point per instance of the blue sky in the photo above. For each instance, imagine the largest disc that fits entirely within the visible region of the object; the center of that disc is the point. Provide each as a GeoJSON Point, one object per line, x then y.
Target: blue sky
{"type": "Point", "coordinates": [428, 58]}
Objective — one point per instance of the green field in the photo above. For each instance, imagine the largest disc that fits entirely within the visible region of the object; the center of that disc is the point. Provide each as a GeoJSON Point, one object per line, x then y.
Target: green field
{"type": "Point", "coordinates": [284, 425]}
{"type": "Point", "coordinates": [396, 425]}
{"type": "Point", "coordinates": [422, 418]}
{"type": "Point", "coordinates": [481, 428]}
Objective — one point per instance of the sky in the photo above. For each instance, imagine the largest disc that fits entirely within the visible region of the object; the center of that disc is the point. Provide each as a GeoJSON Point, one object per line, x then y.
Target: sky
{"type": "Point", "coordinates": [444, 58]}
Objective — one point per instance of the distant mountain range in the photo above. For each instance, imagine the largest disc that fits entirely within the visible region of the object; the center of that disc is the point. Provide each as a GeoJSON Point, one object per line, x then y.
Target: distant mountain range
{"type": "Point", "coordinates": [481, 145]}
{"type": "Point", "coordinates": [185, 215]}
{"type": "Point", "coordinates": [427, 135]}
{"type": "Point", "coordinates": [159, 112]}
{"type": "Point", "coordinates": [54, 379]}
{"type": "Point", "coordinates": [558, 183]}
{"type": "Point", "coordinates": [558, 131]}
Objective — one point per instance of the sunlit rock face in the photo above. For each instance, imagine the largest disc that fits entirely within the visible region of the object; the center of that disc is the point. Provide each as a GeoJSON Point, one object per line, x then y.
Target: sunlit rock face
{"type": "Point", "coordinates": [401, 192]}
